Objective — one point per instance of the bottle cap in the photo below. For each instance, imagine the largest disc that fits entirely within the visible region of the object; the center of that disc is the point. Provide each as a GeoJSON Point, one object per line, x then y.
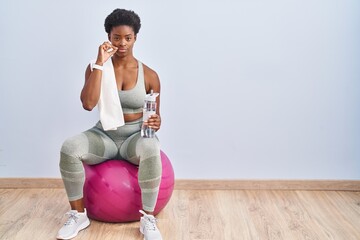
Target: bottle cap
{"type": "Point", "coordinates": [151, 96]}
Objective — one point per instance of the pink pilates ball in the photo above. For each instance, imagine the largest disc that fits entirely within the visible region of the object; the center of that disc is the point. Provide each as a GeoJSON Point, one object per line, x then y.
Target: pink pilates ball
{"type": "Point", "coordinates": [112, 192]}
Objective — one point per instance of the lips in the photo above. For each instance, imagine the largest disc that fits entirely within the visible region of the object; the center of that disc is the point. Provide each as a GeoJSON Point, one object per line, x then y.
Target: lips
{"type": "Point", "coordinates": [121, 50]}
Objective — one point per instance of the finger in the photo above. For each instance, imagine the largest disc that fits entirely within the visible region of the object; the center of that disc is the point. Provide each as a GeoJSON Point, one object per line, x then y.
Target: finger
{"type": "Point", "coordinates": [154, 121]}
{"type": "Point", "coordinates": [154, 127]}
{"type": "Point", "coordinates": [105, 45]}
{"type": "Point", "coordinates": [108, 47]}
{"type": "Point", "coordinates": [155, 117]}
{"type": "Point", "coordinates": [108, 44]}
{"type": "Point", "coordinates": [112, 51]}
{"type": "Point", "coordinates": [154, 124]}
{"type": "Point", "coordinates": [112, 46]}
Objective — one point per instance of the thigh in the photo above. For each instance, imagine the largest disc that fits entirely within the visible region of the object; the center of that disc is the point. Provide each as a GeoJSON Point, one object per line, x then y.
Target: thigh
{"type": "Point", "coordinates": [136, 146]}
{"type": "Point", "coordinates": [128, 149]}
{"type": "Point", "coordinates": [100, 147]}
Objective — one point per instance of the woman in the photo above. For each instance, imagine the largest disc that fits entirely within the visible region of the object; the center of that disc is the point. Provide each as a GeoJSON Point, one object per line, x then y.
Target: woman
{"type": "Point", "coordinates": [133, 81]}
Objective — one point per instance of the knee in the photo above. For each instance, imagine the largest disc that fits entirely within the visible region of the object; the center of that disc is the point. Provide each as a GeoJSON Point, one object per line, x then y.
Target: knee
{"type": "Point", "coordinates": [74, 146]}
{"type": "Point", "coordinates": [71, 151]}
{"type": "Point", "coordinates": [148, 147]}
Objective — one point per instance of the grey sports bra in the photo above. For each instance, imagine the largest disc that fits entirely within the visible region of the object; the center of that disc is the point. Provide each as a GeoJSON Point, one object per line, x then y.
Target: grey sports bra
{"type": "Point", "coordinates": [132, 100]}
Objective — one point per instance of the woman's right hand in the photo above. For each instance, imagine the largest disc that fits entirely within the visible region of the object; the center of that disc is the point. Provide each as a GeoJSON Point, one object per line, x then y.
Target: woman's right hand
{"type": "Point", "coordinates": [106, 50]}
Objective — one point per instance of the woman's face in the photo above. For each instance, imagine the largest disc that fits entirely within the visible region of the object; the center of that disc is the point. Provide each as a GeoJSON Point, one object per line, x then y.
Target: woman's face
{"type": "Point", "coordinates": [124, 38]}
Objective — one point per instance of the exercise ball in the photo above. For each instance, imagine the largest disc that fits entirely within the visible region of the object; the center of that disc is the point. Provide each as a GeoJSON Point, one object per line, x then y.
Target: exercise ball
{"type": "Point", "coordinates": [112, 192]}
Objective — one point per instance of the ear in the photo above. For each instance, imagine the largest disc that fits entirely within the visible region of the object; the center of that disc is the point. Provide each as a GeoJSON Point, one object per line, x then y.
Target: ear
{"type": "Point", "coordinates": [109, 37]}
{"type": "Point", "coordinates": [135, 37]}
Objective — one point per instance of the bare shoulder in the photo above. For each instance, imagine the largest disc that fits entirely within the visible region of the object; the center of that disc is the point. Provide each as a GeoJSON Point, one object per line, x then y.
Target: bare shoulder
{"type": "Point", "coordinates": [150, 73]}
{"type": "Point", "coordinates": [152, 80]}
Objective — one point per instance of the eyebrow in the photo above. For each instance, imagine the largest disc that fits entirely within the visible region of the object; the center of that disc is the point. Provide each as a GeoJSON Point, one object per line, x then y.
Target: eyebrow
{"type": "Point", "coordinates": [127, 35]}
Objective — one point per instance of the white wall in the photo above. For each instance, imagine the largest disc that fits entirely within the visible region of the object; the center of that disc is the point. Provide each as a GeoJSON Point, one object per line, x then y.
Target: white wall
{"type": "Point", "coordinates": [250, 89]}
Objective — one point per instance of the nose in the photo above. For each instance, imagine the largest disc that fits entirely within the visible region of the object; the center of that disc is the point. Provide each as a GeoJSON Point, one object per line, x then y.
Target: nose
{"type": "Point", "coordinates": [122, 43]}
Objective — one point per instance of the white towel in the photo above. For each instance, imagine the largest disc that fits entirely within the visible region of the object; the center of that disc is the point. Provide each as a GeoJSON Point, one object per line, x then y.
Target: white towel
{"type": "Point", "coordinates": [111, 114]}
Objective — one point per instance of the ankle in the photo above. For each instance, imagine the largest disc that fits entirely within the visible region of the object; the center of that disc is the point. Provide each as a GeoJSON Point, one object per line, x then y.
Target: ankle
{"type": "Point", "coordinates": [78, 205]}
{"type": "Point", "coordinates": [149, 213]}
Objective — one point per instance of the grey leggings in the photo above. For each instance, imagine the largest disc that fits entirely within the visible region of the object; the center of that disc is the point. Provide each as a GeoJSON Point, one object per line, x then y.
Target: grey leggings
{"type": "Point", "coordinates": [96, 145]}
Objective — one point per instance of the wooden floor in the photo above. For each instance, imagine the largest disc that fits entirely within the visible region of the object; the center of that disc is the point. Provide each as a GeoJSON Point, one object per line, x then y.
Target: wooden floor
{"type": "Point", "coordinates": [198, 214]}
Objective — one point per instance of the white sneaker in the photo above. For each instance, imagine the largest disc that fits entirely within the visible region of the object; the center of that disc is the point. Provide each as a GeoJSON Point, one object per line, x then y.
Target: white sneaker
{"type": "Point", "coordinates": [148, 227]}
{"type": "Point", "coordinates": [77, 221]}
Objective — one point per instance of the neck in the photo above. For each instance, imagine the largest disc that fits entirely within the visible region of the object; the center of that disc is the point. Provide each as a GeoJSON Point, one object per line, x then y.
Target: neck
{"type": "Point", "coordinates": [123, 61]}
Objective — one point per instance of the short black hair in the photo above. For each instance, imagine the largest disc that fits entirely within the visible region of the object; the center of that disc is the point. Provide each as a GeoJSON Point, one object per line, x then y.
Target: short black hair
{"type": "Point", "coordinates": [122, 17]}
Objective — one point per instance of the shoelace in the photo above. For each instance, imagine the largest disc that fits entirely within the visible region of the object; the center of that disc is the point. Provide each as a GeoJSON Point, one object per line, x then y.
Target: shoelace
{"type": "Point", "coordinates": [73, 217]}
{"type": "Point", "coordinates": [150, 223]}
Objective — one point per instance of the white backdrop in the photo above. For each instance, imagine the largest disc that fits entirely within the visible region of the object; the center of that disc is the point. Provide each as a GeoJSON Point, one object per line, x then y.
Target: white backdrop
{"type": "Point", "coordinates": [250, 89]}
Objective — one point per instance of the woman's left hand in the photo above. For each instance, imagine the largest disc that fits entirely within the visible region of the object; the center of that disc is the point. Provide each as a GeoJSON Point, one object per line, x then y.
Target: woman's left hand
{"type": "Point", "coordinates": [154, 122]}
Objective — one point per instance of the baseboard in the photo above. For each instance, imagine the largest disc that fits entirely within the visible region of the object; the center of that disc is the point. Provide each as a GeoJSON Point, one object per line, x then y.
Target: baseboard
{"type": "Point", "coordinates": [248, 184]}
{"type": "Point", "coordinates": [211, 184]}
{"type": "Point", "coordinates": [31, 183]}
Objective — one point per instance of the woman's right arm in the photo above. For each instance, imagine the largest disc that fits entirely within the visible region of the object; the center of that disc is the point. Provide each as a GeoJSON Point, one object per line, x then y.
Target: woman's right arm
{"type": "Point", "coordinates": [90, 93]}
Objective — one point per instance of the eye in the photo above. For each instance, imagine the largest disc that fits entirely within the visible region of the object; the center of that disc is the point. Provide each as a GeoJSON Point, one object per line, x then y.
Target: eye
{"type": "Point", "coordinates": [115, 38]}
{"type": "Point", "coordinates": [128, 38]}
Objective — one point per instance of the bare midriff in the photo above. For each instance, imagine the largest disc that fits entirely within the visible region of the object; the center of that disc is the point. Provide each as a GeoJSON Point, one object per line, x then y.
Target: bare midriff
{"type": "Point", "coordinates": [132, 117]}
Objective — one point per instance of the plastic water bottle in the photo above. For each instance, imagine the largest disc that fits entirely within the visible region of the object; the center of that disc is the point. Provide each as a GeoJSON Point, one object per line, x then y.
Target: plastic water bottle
{"type": "Point", "coordinates": [148, 110]}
